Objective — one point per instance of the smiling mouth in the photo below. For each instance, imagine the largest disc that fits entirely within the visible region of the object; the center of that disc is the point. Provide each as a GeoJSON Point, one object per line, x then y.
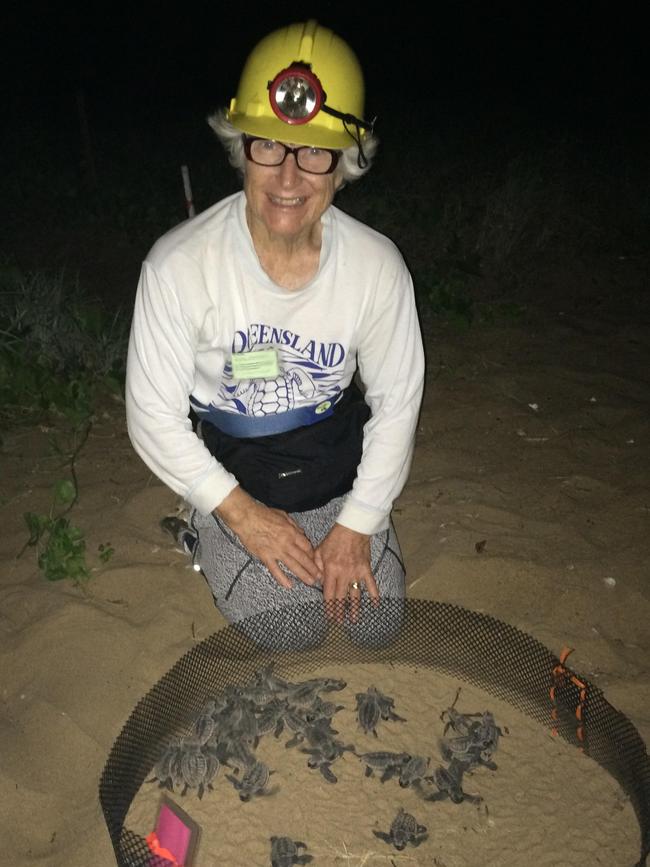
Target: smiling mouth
{"type": "Point", "coordinates": [293, 202]}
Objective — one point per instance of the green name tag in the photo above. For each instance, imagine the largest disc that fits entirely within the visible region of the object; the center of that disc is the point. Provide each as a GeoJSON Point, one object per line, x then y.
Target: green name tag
{"type": "Point", "coordinates": [260, 364]}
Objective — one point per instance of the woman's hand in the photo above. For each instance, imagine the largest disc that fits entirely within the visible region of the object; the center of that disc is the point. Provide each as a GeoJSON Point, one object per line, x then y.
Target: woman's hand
{"type": "Point", "coordinates": [272, 536]}
{"type": "Point", "coordinates": [344, 558]}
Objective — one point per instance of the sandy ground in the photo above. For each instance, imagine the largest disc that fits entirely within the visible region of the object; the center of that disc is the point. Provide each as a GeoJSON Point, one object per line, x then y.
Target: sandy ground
{"type": "Point", "coordinates": [528, 500]}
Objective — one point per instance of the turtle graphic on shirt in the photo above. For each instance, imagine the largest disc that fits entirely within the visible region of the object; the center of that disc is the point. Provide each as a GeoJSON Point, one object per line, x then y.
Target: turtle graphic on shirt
{"type": "Point", "coordinates": [261, 397]}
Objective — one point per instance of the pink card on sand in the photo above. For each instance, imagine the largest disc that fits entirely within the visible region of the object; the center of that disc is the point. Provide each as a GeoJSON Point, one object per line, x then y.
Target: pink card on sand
{"type": "Point", "coordinates": [175, 836]}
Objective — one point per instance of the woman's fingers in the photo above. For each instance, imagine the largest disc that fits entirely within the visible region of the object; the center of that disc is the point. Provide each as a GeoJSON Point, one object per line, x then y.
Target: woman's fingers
{"type": "Point", "coordinates": [303, 542]}
{"type": "Point", "coordinates": [354, 603]}
{"type": "Point", "coordinates": [272, 536]}
{"type": "Point", "coordinates": [302, 566]}
{"type": "Point", "coordinates": [276, 571]}
{"type": "Point", "coordinates": [372, 589]}
{"type": "Point", "coordinates": [344, 556]}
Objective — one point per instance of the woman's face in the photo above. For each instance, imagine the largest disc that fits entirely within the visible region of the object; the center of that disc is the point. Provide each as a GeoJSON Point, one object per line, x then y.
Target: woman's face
{"type": "Point", "coordinates": [284, 201]}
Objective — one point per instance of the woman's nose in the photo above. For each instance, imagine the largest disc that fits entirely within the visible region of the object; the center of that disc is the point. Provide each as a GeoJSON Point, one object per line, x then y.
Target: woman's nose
{"type": "Point", "coordinates": [289, 171]}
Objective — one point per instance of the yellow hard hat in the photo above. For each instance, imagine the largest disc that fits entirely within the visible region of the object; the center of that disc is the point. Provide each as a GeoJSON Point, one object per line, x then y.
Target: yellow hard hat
{"type": "Point", "coordinates": [301, 84]}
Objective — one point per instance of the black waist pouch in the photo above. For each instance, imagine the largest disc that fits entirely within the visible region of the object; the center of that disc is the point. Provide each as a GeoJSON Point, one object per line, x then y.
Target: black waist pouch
{"type": "Point", "coordinates": [300, 469]}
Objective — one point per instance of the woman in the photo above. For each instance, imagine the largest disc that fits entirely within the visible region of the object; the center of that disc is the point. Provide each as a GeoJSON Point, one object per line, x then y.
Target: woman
{"type": "Point", "coordinates": [259, 316]}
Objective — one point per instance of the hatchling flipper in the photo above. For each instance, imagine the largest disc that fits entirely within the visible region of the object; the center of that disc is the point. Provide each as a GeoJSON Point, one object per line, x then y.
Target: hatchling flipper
{"type": "Point", "coordinates": [404, 829]}
{"type": "Point", "coordinates": [284, 852]}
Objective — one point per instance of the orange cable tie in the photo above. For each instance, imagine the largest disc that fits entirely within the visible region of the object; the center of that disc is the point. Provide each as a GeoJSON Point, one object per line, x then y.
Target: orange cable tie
{"type": "Point", "coordinates": [156, 849]}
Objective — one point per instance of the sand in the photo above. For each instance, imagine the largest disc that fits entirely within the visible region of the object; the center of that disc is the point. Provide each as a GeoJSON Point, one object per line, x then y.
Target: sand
{"type": "Point", "coordinates": [528, 500]}
{"type": "Point", "coordinates": [537, 784]}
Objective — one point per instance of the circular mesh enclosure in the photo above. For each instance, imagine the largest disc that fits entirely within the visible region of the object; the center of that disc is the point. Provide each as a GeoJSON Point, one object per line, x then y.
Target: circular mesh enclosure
{"type": "Point", "coordinates": [464, 644]}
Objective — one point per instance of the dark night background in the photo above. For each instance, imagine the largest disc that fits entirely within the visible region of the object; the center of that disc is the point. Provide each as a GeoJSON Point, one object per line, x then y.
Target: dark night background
{"type": "Point", "coordinates": [485, 79]}
{"type": "Point", "coordinates": [548, 59]}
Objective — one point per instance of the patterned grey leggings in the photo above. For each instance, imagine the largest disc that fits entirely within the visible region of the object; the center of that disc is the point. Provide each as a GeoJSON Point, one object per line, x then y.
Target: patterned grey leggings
{"type": "Point", "coordinates": [242, 586]}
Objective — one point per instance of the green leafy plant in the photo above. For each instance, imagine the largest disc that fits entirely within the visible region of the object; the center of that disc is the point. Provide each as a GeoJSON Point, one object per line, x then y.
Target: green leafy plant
{"type": "Point", "coordinates": [61, 546]}
{"type": "Point", "coordinates": [58, 350]}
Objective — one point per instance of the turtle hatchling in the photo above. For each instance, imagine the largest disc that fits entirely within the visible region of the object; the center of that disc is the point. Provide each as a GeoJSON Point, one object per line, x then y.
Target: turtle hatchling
{"type": "Point", "coordinates": [285, 852]}
{"type": "Point", "coordinates": [413, 770]}
{"type": "Point", "coordinates": [372, 706]}
{"type": "Point", "coordinates": [386, 762]}
{"type": "Point", "coordinates": [368, 712]}
{"type": "Point", "coordinates": [198, 768]}
{"type": "Point", "coordinates": [253, 782]}
{"type": "Point", "coordinates": [167, 770]}
{"type": "Point", "coordinates": [404, 829]}
{"type": "Point", "coordinates": [449, 784]}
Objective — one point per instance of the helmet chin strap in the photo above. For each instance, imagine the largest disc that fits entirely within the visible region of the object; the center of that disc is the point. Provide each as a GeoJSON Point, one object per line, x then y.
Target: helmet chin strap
{"type": "Point", "coordinates": [349, 121]}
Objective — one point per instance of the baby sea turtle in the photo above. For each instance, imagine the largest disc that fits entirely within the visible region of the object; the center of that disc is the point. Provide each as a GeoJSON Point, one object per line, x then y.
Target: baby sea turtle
{"type": "Point", "coordinates": [459, 723]}
{"type": "Point", "coordinates": [449, 782]}
{"type": "Point", "coordinates": [404, 829]}
{"type": "Point", "coordinates": [386, 706]}
{"type": "Point", "coordinates": [259, 695]}
{"type": "Point", "coordinates": [388, 763]}
{"type": "Point", "coordinates": [199, 767]}
{"type": "Point", "coordinates": [267, 678]}
{"type": "Point", "coordinates": [415, 769]}
{"type": "Point", "coordinates": [373, 705]}
{"type": "Point", "coordinates": [204, 725]}
{"type": "Point", "coordinates": [239, 719]}
{"type": "Point", "coordinates": [368, 712]}
{"type": "Point", "coordinates": [305, 692]}
{"type": "Point", "coordinates": [486, 733]}
{"type": "Point", "coordinates": [465, 750]}
{"type": "Point", "coordinates": [253, 782]}
{"type": "Point", "coordinates": [167, 770]}
{"type": "Point", "coordinates": [319, 733]}
{"type": "Point", "coordinates": [296, 723]}
{"type": "Point", "coordinates": [323, 755]}
{"type": "Point", "coordinates": [186, 765]}
{"type": "Point", "coordinates": [270, 718]}
{"type": "Point", "coordinates": [322, 763]}
{"type": "Point", "coordinates": [319, 710]}
{"type": "Point", "coordinates": [232, 752]}
{"type": "Point", "coordinates": [477, 733]}
{"type": "Point", "coordinates": [285, 852]}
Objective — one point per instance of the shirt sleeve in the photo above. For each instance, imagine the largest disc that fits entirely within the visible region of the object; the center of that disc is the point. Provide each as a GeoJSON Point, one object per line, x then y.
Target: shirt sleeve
{"type": "Point", "coordinates": [159, 381]}
{"type": "Point", "coordinates": [391, 366]}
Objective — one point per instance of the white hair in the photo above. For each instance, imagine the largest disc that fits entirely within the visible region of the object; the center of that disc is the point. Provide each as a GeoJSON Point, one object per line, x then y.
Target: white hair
{"type": "Point", "coordinates": [232, 141]}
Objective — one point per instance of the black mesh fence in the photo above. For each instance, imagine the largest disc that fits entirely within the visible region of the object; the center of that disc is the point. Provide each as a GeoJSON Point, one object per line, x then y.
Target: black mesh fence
{"type": "Point", "coordinates": [464, 644]}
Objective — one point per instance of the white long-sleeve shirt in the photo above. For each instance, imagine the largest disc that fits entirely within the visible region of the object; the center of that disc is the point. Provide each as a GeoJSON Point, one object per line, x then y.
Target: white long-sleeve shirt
{"type": "Point", "coordinates": [203, 296]}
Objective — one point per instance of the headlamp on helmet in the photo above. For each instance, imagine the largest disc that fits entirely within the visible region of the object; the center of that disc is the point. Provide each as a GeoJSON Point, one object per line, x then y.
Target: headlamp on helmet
{"type": "Point", "coordinates": [296, 96]}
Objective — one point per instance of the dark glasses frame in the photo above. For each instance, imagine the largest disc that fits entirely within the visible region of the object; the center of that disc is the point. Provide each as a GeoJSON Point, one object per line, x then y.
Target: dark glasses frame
{"type": "Point", "coordinates": [250, 139]}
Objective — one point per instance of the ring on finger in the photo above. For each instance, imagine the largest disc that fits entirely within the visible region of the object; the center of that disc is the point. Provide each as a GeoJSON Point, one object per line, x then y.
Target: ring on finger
{"type": "Point", "coordinates": [356, 585]}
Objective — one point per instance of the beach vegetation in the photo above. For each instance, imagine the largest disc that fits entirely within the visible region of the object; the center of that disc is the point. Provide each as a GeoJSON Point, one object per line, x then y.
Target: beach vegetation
{"type": "Point", "coordinates": [58, 348]}
{"type": "Point", "coordinates": [60, 545]}
{"type": "Point", "coordinates": [60, 351]}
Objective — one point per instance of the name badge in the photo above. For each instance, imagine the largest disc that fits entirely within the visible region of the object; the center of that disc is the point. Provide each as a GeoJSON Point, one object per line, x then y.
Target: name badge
{"type": "Point", "coordinates": [259, 364]}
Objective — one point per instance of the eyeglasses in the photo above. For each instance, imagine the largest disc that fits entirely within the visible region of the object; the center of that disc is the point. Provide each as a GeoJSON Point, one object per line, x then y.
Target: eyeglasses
{"type": "Point", "coordinates": [266, 152]}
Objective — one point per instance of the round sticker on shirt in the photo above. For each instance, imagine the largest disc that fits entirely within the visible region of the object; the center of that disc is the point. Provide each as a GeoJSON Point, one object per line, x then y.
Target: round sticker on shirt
{"type": "Point", "coordinates": [323, 407]}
